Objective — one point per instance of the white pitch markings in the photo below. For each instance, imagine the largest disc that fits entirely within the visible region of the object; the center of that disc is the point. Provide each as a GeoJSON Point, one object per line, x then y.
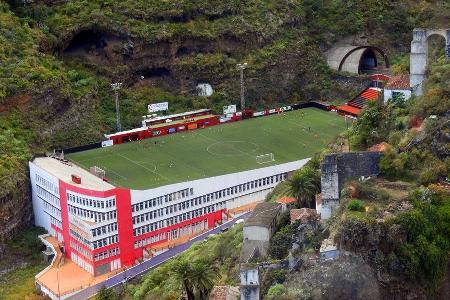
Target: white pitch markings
{"type": "Point", "coordinates": [144, 167]}
{"type": "Point", "coordinates": [218, 141]}
{"type": "Point", "coordinates": [117, 174]}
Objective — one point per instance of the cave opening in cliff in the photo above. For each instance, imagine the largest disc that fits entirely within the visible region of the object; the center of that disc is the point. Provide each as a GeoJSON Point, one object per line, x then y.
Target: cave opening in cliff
{"type": "Point", "coordinates": [156, 72]}
{"type": "Point", "coordinates": [86, 40]}
{"type": "Point", "coordinates": [182, 51]}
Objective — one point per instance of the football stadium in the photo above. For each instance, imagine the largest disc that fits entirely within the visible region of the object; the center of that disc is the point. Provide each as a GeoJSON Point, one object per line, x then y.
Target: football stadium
{"type": "Point", "coordinates": [157, 186]}
{"type": "Point", "coordinates": [215, 150]}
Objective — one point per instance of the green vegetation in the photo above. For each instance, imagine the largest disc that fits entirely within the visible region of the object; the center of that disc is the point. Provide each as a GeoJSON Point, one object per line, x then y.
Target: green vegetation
{"type": "Point", "coordinates": [195, 277]}
{"type": "Point", "coordinates": [215, 150]}
{"type": "Point", "coordinates": [276, 291]}
{"type": "Point", "coordinates": [14, 151]}
{"type": "Point", "coordinates": [356, 205]}
{"type": "Point", "coordinates": [281, 242]}
{"type": "Point", "coordinates": [106, 294]}
{"type": "Point", "coordinates": [424, 256]}
{"type": "Point", "coordinates": [217, 259]}
{"type": "Point", "coordinates": [412, 243]}
{"type": "Point", "coordinates": [20, 283]}
{"type": "Point", "coordinates": [23, 256]}
{"type": "Point", "coordinates": [412, 240]}
{"type": "Point", "coordinates": [304, 186]}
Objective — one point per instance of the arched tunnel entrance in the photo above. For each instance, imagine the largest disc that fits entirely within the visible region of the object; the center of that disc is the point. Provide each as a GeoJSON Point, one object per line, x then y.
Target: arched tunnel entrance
{"type": "Point", "coordinates": [365, 60]}
{"type": "Point", "coordinates": [368, 61]}
{"type": "Point", "coordinates": [358, 59]}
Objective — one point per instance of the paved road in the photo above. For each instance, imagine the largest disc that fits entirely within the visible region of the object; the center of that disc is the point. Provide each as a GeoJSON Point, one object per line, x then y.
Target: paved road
{"type": "Point", "coordinates": [152, 263]}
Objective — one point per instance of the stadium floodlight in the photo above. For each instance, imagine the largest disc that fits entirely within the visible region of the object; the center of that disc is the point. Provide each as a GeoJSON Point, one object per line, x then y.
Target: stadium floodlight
{"type": "Point", "coordinates": [116, 87]}
{"type": "Point", "coordinates": [241, 68]}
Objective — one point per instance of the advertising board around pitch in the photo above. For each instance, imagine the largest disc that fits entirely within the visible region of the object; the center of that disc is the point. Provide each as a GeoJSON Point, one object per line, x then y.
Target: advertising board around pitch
{"type": "Point", "coordinates": [154, 107]}
{"type": "Point", "coordinates": [230, 109]}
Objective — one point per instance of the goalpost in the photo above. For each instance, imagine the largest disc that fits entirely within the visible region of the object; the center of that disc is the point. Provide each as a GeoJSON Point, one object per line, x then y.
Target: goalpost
{"type": "Point", "coordinates": [265, 158]}
{"type": "Point", "coordinates": [97, 171]}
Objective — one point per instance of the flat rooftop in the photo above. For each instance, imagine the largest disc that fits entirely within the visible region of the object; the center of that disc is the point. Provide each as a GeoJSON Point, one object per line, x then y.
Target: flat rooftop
{"type": "Point", "coordinates": [64, 172]}
{"type": "Point", "coordinates": [216, 150]}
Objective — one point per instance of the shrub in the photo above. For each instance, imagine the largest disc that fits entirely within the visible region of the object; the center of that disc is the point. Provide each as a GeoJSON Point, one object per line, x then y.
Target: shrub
{"type": "Point", "coordinates": [436, 169]}
{"type": "Point", "coordinates": [281, 242]}
{"type": "Point", "coordinates": [356, 205]}
{"type": "Point", "coordinates": [106, 294]}
{"type": "Point", "coordinates": [392, 165]}
{"type": "Point", "coordinates": [275, 291]}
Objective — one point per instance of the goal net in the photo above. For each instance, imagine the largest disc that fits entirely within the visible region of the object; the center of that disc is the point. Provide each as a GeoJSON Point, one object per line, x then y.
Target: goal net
{"type": "Point", "coordinates": [265, 158]}
{"type": "Point", "coordinates": [97, 171]}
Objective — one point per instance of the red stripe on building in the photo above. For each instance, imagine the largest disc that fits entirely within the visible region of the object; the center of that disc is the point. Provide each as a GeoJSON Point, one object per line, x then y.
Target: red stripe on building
{"type": "Point", "coordinates": [125, 226]}
{"type": "Point", "coordinates": [64, 216]}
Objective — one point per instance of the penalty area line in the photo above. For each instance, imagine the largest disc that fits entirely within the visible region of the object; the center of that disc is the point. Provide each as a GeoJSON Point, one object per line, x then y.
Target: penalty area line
{"type": "Point", "coordinates": [144, 167]}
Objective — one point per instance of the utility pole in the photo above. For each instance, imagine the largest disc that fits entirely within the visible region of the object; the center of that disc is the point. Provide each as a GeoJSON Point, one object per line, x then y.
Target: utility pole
{"type": "Point", "coordinates": [348, 133]}
{"type": "Point", "coordinates": [57, 279]}
{"type": "Point", "coordinates": [116, 87]}
{"type": "Point", "coordinates": [241, 68]}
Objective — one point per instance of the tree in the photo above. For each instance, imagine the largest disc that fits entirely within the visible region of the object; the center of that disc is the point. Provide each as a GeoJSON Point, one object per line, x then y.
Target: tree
{"type": "Point", "coordinates": [197, 278]}
{"type": "Point", "coordinates": [106, 294]}
{"type": "Point", "coordinates": [304, 185]}
{"type": "Point", "coordinates": [281, 242]}
{"type": "Point", "coordinates": [276, 291]}
{"type": "Point", "coordinates": [182, 272]}
{"type": "Point", "coordinates": [204, 275]}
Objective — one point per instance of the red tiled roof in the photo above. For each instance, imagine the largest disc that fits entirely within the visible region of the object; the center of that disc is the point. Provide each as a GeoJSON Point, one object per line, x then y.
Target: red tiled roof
{"type": "Point", "coordinates": [380, 147]}
{"type": "Point", "coordinates": [286, 200]}
{"type": "Point", "coordinates": [379, 77]}
{"type": "Point", "coordinates": [399, 82]}
{"type": "Point", "coordinates": [349, 109]}
{"type": "Point", "coordinates": [370, 94]}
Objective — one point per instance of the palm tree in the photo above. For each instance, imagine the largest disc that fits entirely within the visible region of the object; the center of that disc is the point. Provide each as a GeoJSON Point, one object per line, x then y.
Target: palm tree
{"type": "Point", "coordinates": [304, 185]}
{"type": "Point", "coordinates": [197, 278]}
{"type": "Point", "coordinates": [182, 272]}
{"type": "Point", "coordinates": [204, 275]}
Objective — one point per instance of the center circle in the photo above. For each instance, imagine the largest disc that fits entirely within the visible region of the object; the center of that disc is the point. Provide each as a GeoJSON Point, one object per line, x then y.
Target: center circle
{"type": "Point", "coordinates": [232, 148]}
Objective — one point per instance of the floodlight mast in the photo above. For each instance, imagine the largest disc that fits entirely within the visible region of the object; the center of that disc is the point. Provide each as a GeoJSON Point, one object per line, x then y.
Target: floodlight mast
{"type": "Point", "coordinates": [116, 87]}
{"type": "Point", "coordinates": [241, 68]}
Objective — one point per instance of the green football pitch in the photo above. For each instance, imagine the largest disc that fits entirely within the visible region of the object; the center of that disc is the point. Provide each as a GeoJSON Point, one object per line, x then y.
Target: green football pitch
{"type": "Point", "coordinates": [215, 150]}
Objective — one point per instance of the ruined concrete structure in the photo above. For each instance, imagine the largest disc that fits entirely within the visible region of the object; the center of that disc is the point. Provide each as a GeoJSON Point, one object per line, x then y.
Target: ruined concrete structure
{"type": "Point", "coordinates": [340, 167]}
{"type": "Point", "coordinates": [419, 55]}
{"type": "Point", "coordinates": [250, 281]}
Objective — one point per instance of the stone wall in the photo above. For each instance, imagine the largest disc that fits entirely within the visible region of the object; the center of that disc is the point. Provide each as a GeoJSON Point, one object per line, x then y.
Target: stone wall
{"type": "Point", "coordinates": [340, 167]}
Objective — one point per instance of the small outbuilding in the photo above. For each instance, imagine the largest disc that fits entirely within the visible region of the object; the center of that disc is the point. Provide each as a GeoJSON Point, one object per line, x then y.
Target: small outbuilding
{"type": "Point", "coordinates": [258, 229]}
{"type": "Point", "coordinates": [262, 223]}
{"type": "Point", "coordinates": [397, 87]}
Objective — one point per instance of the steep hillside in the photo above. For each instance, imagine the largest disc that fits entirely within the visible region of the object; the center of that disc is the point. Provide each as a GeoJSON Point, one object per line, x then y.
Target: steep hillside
{"type": "Point", "coordinates": [59, 57]}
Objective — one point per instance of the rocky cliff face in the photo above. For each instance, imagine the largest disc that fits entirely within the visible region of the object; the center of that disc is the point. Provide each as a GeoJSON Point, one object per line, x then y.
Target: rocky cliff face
{"type": "Point", "coordinates": [15, 207]}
